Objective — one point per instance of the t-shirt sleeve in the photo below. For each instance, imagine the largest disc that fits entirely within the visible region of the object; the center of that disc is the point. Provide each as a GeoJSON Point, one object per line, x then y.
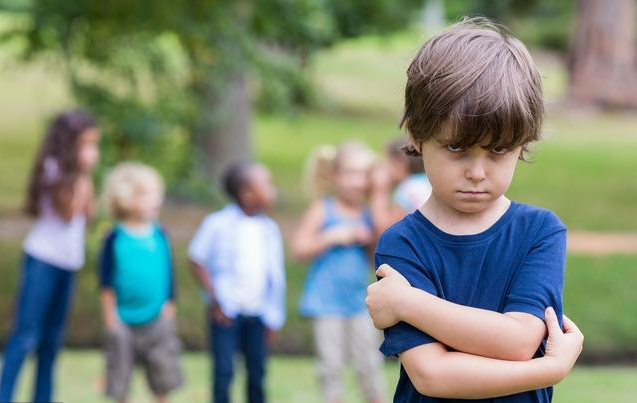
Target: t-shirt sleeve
{"type": "Point", "coordinates": [172, 289]}
{"type": "Point", "coordinates": [201, 243]}
{"type": "Point", "coordinates": [402, 337]}
{"type": "Point", "coordinates": [107, 262]}
{"type": "Point", "coordinates": [540, 279]}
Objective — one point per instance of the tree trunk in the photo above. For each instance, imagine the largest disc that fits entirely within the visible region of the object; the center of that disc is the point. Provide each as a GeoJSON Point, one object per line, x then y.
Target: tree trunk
{"type": "Point", "coordinates": [602, 55]}
{"type": "Point", "coordinates": [224, 134]}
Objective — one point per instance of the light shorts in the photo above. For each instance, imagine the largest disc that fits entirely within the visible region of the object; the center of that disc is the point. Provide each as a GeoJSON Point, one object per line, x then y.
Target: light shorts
{"type": "Point", "coordinates": [155, 346]}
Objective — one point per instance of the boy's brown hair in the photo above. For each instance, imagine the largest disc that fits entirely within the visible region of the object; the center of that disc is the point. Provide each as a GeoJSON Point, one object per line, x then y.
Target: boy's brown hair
{"type": "Point", "coordinates": [470, 84]}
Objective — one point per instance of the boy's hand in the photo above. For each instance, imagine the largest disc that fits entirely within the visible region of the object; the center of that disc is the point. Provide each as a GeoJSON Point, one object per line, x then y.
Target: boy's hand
{"type": "Point", "coordinates": [563, 347]}
{"type": "Point", "coordinates": [384, 297]}
{"type": "Point", "coordinates": [111, 322]}
{"type": "Point", "coordinates": [218, 315]}
{"type": "Point", "coordinates": [270, 336]}
{"type": "Point", "coordinates": [168, 311]}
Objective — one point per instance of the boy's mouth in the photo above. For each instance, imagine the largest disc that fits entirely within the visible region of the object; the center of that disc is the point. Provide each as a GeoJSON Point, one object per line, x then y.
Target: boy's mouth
{"type": "Point", "coordinates": [473, 193]}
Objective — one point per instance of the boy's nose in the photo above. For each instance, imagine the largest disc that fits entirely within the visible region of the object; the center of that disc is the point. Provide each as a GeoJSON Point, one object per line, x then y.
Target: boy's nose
{"type": "Point", "coordinates": [475, 172]}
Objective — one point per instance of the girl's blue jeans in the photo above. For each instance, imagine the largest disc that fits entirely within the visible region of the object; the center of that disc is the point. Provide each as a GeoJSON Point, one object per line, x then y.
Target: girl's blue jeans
{"type": "Point", "coordinates": [40, 313]}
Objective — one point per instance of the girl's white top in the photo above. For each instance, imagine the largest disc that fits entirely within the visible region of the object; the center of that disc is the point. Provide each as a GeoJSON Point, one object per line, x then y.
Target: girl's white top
{"type": "Point", "coordinates": [52, 239]}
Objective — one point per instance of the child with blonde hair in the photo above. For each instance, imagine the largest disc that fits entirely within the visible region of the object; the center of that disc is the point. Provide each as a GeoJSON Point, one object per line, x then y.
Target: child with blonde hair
{"type": "Point", "coordinates": [335, 235]}
{"type": "Point", "coordinates": [138, 285]}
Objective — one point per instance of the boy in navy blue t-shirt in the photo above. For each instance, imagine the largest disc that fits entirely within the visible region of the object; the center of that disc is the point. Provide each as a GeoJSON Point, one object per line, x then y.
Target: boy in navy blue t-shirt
{"type": "Point", "coordinates": [471, 280]}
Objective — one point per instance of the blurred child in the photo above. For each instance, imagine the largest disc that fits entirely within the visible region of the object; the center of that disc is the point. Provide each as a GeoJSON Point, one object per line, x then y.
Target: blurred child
{"type": "Point", "coordinates": [472, 281]}
{"type": "Point", "coordinates": [237, 257]}
{"type": "Point", "coordinates": [60, 196]}
{"type": "Point", "coordinates": [399, 186]}
{"type": "Point", "coordinates": [138, 286]}
{"type": "Point", "coordinates": [335, 234]}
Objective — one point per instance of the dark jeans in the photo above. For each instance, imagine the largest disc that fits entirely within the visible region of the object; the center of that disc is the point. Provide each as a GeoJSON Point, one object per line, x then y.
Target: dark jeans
{"type": "Point", "coordinates": [245, 334]}
{"type": "Point", "coordinates": [40, 312]}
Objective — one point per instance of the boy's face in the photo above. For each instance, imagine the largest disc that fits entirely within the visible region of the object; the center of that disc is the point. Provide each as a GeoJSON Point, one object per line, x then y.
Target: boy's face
{"type": "Point", "coordinates": [260, 194]}
{"type": "Point", "coordinates": [468, 181]}
{"type": "Point", "coordinates": [148, 203]}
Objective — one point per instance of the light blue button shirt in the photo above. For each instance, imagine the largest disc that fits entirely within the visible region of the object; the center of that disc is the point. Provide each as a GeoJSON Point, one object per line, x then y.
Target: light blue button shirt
{"type": "Point", "coordinates": [219, 245]}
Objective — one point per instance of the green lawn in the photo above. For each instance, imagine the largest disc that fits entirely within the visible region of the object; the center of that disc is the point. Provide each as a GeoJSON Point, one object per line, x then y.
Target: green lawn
{"type": "Point", "coordinates": [292, 380]}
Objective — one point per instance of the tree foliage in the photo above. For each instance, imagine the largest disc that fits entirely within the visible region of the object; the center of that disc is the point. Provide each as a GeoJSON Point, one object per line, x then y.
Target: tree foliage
{"type": "Point", "coordinates": [157, 71]}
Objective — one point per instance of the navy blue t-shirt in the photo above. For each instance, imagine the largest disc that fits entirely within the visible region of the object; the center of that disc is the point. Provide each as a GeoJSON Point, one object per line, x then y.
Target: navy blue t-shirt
{"type": "Point", "coordinates": [517, 265]}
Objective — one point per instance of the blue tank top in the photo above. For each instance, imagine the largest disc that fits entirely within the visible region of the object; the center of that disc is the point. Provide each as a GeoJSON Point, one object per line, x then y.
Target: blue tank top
{"type": "Point", "coordinates": [337, 279]}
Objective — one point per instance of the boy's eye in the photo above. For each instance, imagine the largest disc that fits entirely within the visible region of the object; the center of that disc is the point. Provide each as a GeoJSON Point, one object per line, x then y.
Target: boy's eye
{"type": "Point", "coordinates": [455, 149]}
{"type": "Point", "coordinates": [499, 150]}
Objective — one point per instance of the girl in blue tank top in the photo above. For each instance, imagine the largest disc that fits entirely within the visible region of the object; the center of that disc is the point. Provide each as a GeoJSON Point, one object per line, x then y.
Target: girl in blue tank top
{"type": "Point", "coordinates": [334, 236]}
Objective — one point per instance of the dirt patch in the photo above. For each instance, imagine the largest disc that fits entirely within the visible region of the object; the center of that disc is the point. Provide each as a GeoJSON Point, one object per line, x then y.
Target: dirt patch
{"type": "Point", "coordinates": [602, 243]}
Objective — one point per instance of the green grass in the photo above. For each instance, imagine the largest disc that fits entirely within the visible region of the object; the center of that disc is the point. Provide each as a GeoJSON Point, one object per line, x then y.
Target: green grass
{"type": "Point", "coordinates": [597, 297]}
{"type": "Point", "coordinates": [292, 380]}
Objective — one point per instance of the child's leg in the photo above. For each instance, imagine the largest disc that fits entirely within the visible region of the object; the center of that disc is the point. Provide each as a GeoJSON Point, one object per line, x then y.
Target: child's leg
{"type": "Point", "coordinates": [32, 302]}
{"type": "Point", "coordinates": [223, 345]}
{"type": "Point", "coordinates": [363, 343]}
{"type": "Point", "coordinates": [329, 337]}
{"type": "Point", "coordinates": [255, 350]}
{"type": "Point", "coordinates": [53, 334]}
{"type": "Point", "coordinates": [120, 361]}
{"type": "Point", "coordinates": [159, 350]}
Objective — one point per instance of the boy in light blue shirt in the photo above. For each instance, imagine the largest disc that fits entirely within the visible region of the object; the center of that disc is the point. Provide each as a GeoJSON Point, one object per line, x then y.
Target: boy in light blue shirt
{"type": "Point", "coordinates": [237, 257]}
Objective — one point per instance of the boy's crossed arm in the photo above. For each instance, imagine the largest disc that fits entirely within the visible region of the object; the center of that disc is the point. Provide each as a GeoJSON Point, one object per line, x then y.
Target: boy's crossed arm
{"type": "Point", "coordinates": [437, 372]}
{"type": "Point", "coordinates": [513, 336]}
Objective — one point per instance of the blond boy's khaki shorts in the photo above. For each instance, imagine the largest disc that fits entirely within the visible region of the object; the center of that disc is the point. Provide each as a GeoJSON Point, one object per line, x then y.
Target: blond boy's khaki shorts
{"type": "Point", "coordinates": [154, 346]}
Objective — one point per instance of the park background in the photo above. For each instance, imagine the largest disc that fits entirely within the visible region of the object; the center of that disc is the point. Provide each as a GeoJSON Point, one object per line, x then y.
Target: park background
{"type": "Point", "coordinates": [186, 86]}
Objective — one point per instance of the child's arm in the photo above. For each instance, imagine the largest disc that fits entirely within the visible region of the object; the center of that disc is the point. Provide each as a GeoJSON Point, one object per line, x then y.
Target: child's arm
{"type": "Point", "coordinates": [310, 240]}
{"type": "Point", "coordinates": [109, 311]}
{"type": "Point", "coordinates": [83, 199]}
{"type": "Point", "coordinates": [437, 372]}
{"type": "Point", "coordinates": [513, 335]}
{"type": "Point", "coordinates": [168, 310]}
{"type": "Point", "coordinates": [202, 278]}
{"type": "Point", "coordinates": [384, 211]}
{"type": "Point", "coordinates": [510, 336]}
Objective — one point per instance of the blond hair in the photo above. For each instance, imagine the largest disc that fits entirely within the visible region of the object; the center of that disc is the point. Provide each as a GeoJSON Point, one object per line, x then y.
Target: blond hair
{"type": "Point", "coordinates": [125, 182]}
{"type": "Point", "coordinates": [324, 162]}
{"type": "Point", "coordinates": [473, 83]}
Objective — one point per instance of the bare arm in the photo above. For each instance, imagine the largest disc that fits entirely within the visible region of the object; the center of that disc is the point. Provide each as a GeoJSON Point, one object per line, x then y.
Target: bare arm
{"type": "Point", "coordinates": [311, 240]}
{"type": "Point", "coordinates": [384, 211]}
{"type": "Point", "coordinates": [437, 372]}
{"type": "Point", "coordinates": [510, 336]}
{"type": "Point", "coordinates": [202, 278]}
{"type": "Point", "coordinates": [207, 284]}
{"type": "Point", "coordinates": [109, 311]}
